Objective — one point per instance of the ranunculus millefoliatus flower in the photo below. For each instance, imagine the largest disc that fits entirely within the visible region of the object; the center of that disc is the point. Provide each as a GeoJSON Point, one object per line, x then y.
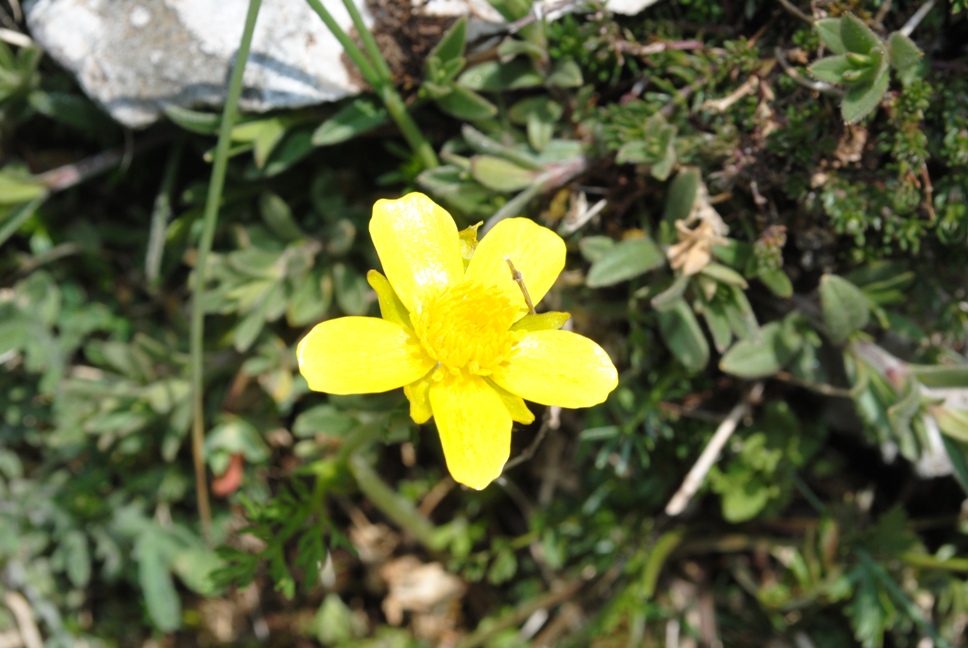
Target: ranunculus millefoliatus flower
{"type": "Point", "coordinates": [457, 334]}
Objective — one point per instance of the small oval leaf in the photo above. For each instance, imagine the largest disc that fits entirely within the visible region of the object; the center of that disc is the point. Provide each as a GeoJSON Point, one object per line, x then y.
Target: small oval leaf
{"type": "Point", "coordinates": [845, 309]}
{"type": "Point", "coordinates": [627, 259]}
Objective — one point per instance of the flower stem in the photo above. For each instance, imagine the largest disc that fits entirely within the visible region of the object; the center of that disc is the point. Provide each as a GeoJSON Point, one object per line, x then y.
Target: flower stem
{"type": "Point", "coordinates": [210, 218]}
{"type": "Point", "coordinates": [369, 42]}
{"type": "Point", "coordinates": [408, 127]}
{"type": "Point", "coordinates": [349, 46]}
{"type": "Point", "coordinates": [360, 436]}
{"type": "Point", "coordinates": [377, 73]}
{"type": "Point", "coordinates": [398, 509]}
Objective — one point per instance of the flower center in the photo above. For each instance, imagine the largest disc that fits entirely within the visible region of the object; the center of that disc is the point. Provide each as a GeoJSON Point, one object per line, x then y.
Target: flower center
{"type": "Point", "coordinates": [466, 327]}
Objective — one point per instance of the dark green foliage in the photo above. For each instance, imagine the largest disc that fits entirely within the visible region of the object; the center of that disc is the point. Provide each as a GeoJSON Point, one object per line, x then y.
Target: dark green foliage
{"type": "Point", "coordinates": [747, 235]}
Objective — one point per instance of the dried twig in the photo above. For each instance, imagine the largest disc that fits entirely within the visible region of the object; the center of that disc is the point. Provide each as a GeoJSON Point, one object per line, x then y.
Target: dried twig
{"type": "Point", "coordinates": [24, 616]}
{"type": "Point", "coordinates": [796, 12]}
{"type": "Point", "coordinates": [708, 457]}
{"type": "Point", "coordinates": [549, 422]}
{"type": "Point", "coordinates": [916, 19]}
{"type": "Point", "coordinates": [818, 86]}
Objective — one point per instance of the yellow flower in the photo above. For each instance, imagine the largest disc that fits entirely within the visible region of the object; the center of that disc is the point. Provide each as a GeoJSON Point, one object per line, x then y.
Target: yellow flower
{"type": "Point", "coordinates": [457, 334]}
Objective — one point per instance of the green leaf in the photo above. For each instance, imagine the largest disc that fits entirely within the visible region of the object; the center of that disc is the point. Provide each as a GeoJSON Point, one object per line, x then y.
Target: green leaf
{"type": "Point", "coordinates": [450, 185]}
{"type": "Point", "coordinates": [539, 132]}
{"type": "Point", "coordinates": [451, 46]}
{"type": "Point", "coordinates": [740, 314]}
{"type": "Point", "coordinates": [861, 100]}
{"type": "Point", "coordinates": [539, 114]}
{"type": "Point", "coordinates": [500, 174]}
{"type": "Point", "coordinates": [236, 435]}
{"type": "Point", "coordinates": [72, 110]}
{"type": "Point", "coordinates": [351, 290]}
{"type": "Point", "coordinates": [723, 274]}
{"type": "Point", "coordinates": [267, 138]}
{"type": "Point", "coordinates": [656, 149]}
{"type": "Point", "coordinates": [566, 74]}
{"type": "Point", "coordinates": [294, 146]}
{"type": "Point", "coordinates": [627, 259]}
{"type": "Point", "coordinates": [959, 464]}
{"type": "Point", "coordinates": [511, 10]}
{"type": "Point", "coordinates": [904, 54]}
{"type": "Point", "coordinates": [952, 421]}
{"type": "Point", "coordinates": [829, 31]}
{"type": "Point", "coordinates": [718, 324]}
{"type": "Point", "coordinates": [310, 299]}
{"type": "Point", "coordinates": [335, 623]}
{"type": "Point", "coordinates": [512, 47]}
{"type": "Point", "coordinates": [831, 69]}
{"type": "Point", "coordinates": [156, 582]}
{"type": "Point", "coordinates": [202, 123]}
{"type": "Point", "coordinates": [17, 187]}
{"type": "Point", "coordinates": [901, 413]}
{"type": "Point", "coordinates": [941, 376]}
{"type": "Point", "coordinates": [777, 281]}
{"type": "Point", "coordinates": [881, 275]}
{"type": "Point", "coordinates": [323, 419]}
{"type": "Point", "coordinates": [682, 195]}
{"type": "Point", "coordinates": [683, 336]}
{"type": "Point", "coordinates": [466, 105]}
{"type": "Point", "coordinates": [194, 566]}
{"type": "Point", "coordinates": [503, 568]}
{"type": "Point", "coordinates": [251, 325]}
{"type": "Point", "coordinates": [77, 556]}
{"type": "Point", "coordinates": [494, 76]}
{"type": "Point", "coordinates": [845, 309]}
{"type": "Point", "coordinates": [546, 107]}
{"type": "Point", "coordinates": [668, 297]}
{"type": "Point", "coordinates": [857, 37]}
{"type": "Point", "coordinates": [763, 356]}
{"type": "Point", "coordinates": [594, 248]}
{"type": "Point", "coordinates": [278, 217]}
{"type": "Point", "coordinates": [357, 117]}
{"type": "Point", "coordinates": [667, 159]}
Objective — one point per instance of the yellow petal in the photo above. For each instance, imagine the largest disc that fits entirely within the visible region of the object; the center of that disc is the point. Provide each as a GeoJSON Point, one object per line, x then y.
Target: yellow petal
{"type": "Point", "coordinates": [360, 355]}
{"type": "Point", "coordinates": [391, 308]}
{"type": "Point", "coordinates": [537, 253]}
{"type": "Point", "coordinates": [558, 368]}
{"type": "Point", "coordinates": [418, 393]}
{"type": "Point", "coordinates": [517, 408]}
{"type": "Point", "coordinates": [418, 246]}
{"type": "Point", "coordinates": [474, 427]}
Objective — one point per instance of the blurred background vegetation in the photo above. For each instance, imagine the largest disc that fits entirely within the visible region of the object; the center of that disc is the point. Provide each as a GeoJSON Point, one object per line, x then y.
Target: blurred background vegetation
{"type": "Point", "coordinates": [764, 205]}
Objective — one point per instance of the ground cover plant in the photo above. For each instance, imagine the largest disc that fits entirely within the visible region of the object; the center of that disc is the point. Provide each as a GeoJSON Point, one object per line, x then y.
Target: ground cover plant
{"type": "Point", "coordinates": [761, 209]}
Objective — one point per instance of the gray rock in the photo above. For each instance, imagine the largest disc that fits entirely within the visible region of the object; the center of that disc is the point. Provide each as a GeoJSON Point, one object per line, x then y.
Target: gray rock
{"type": "Point", "coordinates": [136, 56]}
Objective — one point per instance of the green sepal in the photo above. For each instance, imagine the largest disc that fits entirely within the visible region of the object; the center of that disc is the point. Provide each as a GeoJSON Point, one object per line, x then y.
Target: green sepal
{"type": "Point", "coordinates": [541, 322]}
{"type": "Point", "coordinates": [515, 404]}
{"type": "Point", "coordinates": [391, 308]}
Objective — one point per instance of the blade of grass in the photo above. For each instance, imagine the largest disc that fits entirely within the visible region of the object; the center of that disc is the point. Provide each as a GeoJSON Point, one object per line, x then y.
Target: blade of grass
{"type": "Point", "coordinates": [395, 507]}
{"type": "Point", "coordinates": [369, 42]}
{"type": "Point", "coordinates": [377, 73]}
{"type": "Point", "coordinates": [161, 214]}
{"type": "Point", "coordinates": [408, 127]}
{"type": "Point", "coordinates": [19, 216]}
{"type": "Point", "coordinates": [210, 218]}
{"type": "Point", "coordinates": [901, 599]}
{"type": "Point", "coordinates": [349, 46]}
